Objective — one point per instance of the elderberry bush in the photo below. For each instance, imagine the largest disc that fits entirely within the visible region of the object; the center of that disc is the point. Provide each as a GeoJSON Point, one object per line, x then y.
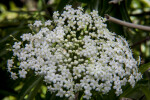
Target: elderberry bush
{"type": "Point", "coordinates": [75, 52]}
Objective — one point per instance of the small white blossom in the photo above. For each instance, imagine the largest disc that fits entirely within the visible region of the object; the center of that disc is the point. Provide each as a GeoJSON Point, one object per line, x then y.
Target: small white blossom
{"type": "Point", "coordinates": [68, 7]}
{"type": "Point", "coordinates": [22, 73]}
{"type": "Point", "coordinates": [37, 23]}
{"type": "Point", "coordinates": [17, 45]}
{"type": "Point", "coordinates": [48, 23]}
{"type": "Point", "coordinates": [10, 63]}
{"type": "Point", "coordinates": [26, 37]}
{"type": "Point", "coordinates": [13, 75]}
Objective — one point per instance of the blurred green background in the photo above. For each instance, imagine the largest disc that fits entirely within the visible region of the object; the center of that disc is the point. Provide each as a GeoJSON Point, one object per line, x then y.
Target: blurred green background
{"type": "Point", "coordinates": [15, 15]}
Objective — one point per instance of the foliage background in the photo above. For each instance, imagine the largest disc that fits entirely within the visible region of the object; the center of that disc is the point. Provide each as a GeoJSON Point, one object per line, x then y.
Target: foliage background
{"type": "Point", "coordinates": [15, 15]}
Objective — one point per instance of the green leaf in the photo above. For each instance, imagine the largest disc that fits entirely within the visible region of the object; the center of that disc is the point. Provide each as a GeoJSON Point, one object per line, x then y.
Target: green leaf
{"type": "Point", "coordinates": [129, 91]}
{"type": "Point", "coordinates": [135, 92]}
{"type": "Point", "coordinates": [29, 84]}
{"type": "Point", "coordinates": [118, 29]}
{"type": "Point", "coordinates": [53, 97]}
{"type": "Point", "coordinates": [96, 4]}
{"type": "Point", "coordinates": [7, 92]}
{"type": "Point", "coordinates": [48, 95]}
{"type": "Point", "coordinates": [3, 52]}
{"type": "Point", "coordinates": [105, 6]}
{"type": "Point", "coordinates": [100, 5]}
{"type": "Point", "coordinates": [144, 67]}
{"type": "Point", "coordinates": [146, 91]}
{"type": "Point", "coordinates": [37, 87]}
{"type": "Point", "coordinates": [124, 12]}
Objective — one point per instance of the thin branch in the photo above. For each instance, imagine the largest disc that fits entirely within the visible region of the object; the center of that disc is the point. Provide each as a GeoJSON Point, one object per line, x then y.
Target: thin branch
{"type": "Point", "coordinates": [76, 96]}
{"type": "Point", "coordinates": [127, 24]}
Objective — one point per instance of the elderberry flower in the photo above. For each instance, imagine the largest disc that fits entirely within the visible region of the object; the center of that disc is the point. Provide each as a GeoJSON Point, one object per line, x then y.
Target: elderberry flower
{"type": "Point", "coordinates": [37, 23]}
{"type": "Point", "coordinates": [22, 74]}
{"type": "Point", "coordinates": [76, 52]}
{"type": "Point", "coordinates": [48, 23]}
{"type": "Point", "coordinates": [10, 63]}
{"type": "Point", "coordinates": [13, 75]}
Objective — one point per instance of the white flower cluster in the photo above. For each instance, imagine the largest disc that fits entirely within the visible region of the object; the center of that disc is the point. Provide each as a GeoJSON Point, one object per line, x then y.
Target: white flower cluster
{"type": "Point", "coordinates": [76, 52]}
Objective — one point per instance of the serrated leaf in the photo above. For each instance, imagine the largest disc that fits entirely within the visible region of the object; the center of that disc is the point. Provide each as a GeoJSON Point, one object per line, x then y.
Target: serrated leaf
{"type": "Point", "coordinates": [95, 4]}
{"type": "Point", "coordinates": [48, 95]}
{"type": "Point", "coordinates": [37, 87]}
{"type": "Point", "coordinates": [146, 91]}
{"type": "Point", "coordinates": [100, 5]}
{"type": "Point", "coordinates": [29, 84]}
{"type": "Point", "coordinates": [128, 91]}
{"type": "Point", "coordinates": [53, 97]}
{"type": "Point", "coordinates": [124, 12]}
{"type": "Point", "coordinates": [105, 5]}
{"type": "Point", "coordinates": [144, 67]}
{"type": "Point", "coordinates": [7, 92]}
{"type": "Point", "coordinates": [135, 92]}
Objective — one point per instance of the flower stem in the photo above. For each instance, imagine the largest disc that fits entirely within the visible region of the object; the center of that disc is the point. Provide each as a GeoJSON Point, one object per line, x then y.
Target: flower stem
{"type": "Point", "coordinates": [76, 96]}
